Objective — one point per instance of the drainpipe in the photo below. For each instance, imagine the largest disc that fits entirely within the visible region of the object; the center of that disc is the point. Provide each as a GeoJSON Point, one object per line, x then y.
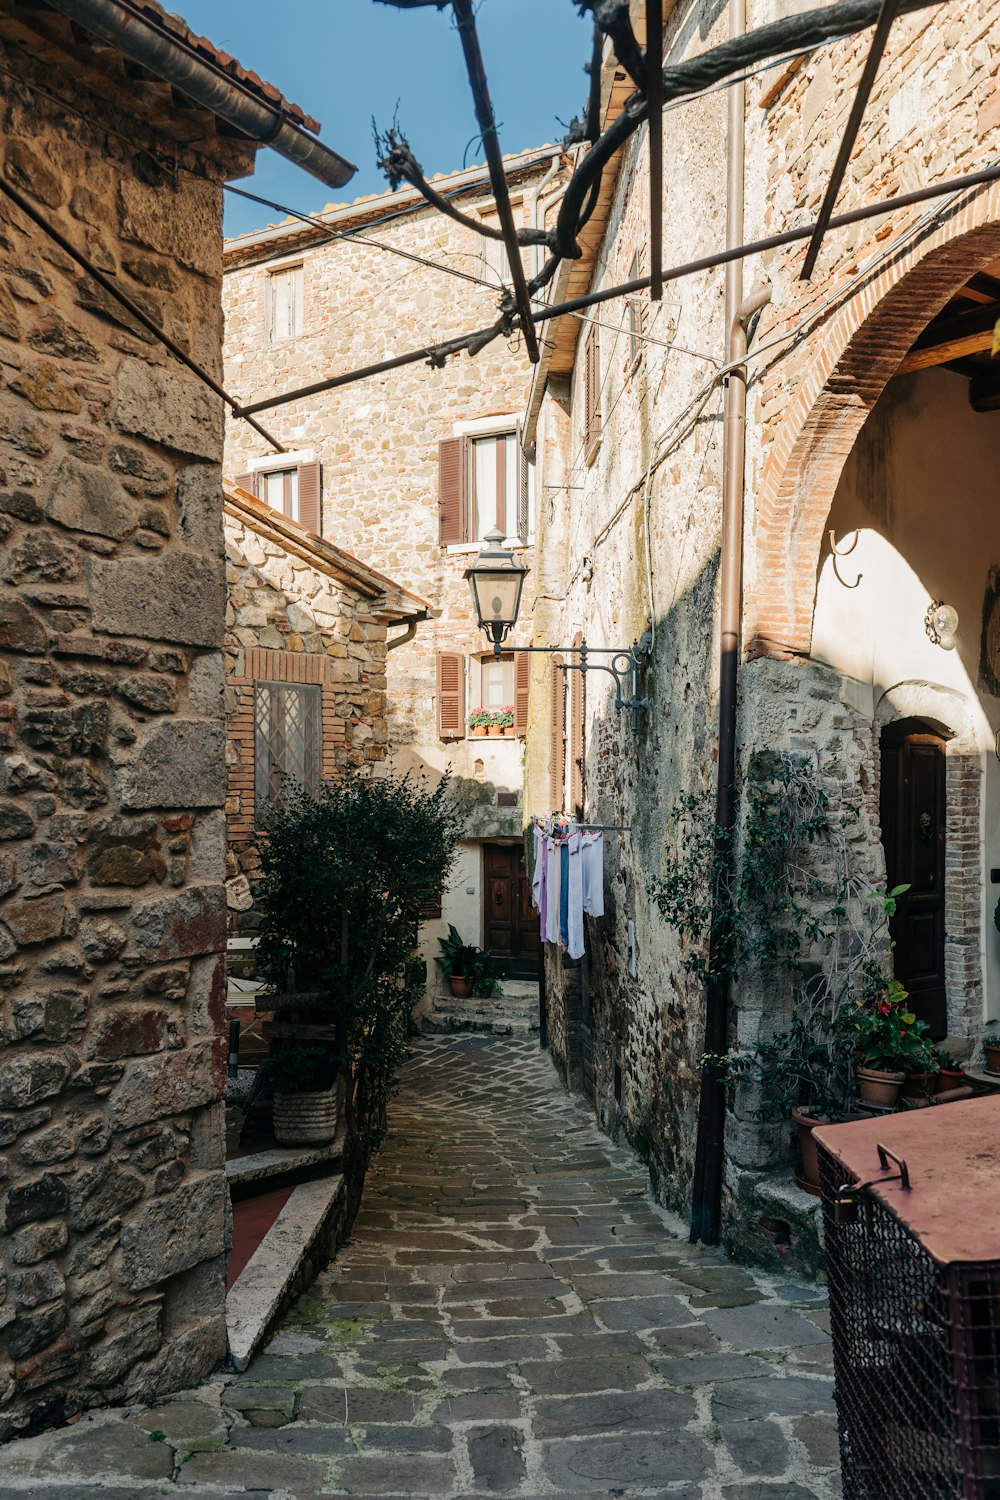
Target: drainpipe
{"type": "Point", "coordinates": [403, 637]}
{"type": "Point", "coordinates": [139, 35]}
{"type": "Point", "coordinates": [710, 1148]}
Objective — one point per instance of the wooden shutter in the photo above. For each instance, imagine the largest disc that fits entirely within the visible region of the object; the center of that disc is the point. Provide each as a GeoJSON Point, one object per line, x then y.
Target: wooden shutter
{"type": "Point", "coordinates": [522, 492]}
{"type": "Point", "coordinates": [451, 695]}
{"type": "Point", "coordinates": [452, 491]}
{"type": "Point", "coordinates": [522, 683]}
{"type": "Point", "coordinates": [310, 508]}
{"type": "Point", "coordinates": [246, 482]}
{"type": "Point", "coordinates": [577, 723]}
{"type": "Point", "coordinates": [557, 737]}
{"type": "Point", "coordinates": [592, 388]}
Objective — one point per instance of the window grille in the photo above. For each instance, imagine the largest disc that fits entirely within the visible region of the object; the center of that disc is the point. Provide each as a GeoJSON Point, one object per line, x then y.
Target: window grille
{"type": "Point", "coordinates": [287, 740]}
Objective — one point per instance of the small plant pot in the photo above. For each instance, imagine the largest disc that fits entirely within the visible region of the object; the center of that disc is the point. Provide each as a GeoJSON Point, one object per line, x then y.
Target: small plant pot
{"type": "Point", "coordinates": [992, 1055]}
{"type": "Point", "coordinates": [479, 731]}
{"type": "Point", "coordinates": [460, 986]}
{"type": "Point", "coordinates": [950, 1078]}
{"type": "Point", "coordinates": [878, 1087]}
{"type": "Point", "coordinates": [809, 1178]}
{"type": "Point", "coordinates": [508, 731]}
{"type": "Point", "coordinates": [920, 1085]}
{"type": "Point", "coordinates": [307, 1119]}
{"type": "Point", "coordinates": [496, 730]}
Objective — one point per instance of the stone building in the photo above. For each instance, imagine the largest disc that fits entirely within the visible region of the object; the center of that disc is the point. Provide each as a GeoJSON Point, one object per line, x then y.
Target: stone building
{"type": "Point", "coordinates": [306, 628]}
{"type": "Point", "coordinates": [872, 441]}
{"type": "Point", "coordinates": [112, 587]}
{"type": "Point", "coordinates": [409, 470]}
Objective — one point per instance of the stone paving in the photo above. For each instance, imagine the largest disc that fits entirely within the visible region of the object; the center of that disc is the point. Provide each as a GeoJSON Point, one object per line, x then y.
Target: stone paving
{"type": "Point", "coordinates": [512, 1316]}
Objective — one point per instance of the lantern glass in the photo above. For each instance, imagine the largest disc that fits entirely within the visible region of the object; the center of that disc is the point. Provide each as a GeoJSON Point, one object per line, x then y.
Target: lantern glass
{"type": "Point", "coordinates": [496, 579]}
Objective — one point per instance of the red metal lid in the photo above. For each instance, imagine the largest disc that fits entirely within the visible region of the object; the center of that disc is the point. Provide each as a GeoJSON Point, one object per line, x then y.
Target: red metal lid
{"type": "Point", "coordinates": [952, 1154]}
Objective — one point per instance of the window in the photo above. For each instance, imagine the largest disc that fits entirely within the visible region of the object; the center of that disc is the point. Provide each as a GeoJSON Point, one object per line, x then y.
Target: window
{"type": "Point", "coordinates": [494, 266]}
{"type": "Point", "coordinates": [483, 482]}
{"type": "Point", "coordinates": [287, 739]}
{"type": "Point", "coordinates": [284, 303]}
{"type": "Point", "coordinates": [280, 488]}
{"type": "Point", "coordinates": [294, 491]}
{"type": "Point", "coordinates": [636, 319]}
{"type": "Point", "coordinates": [591, 392]}
{"type": "Point", "coordinates": [493, 485]}
{"type": "Point", "coordinates": [497, 683]}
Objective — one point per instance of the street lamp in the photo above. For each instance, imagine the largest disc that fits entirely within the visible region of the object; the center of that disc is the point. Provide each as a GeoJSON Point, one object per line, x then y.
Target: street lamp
{"type": "Point", "coordinates": [496, 579]}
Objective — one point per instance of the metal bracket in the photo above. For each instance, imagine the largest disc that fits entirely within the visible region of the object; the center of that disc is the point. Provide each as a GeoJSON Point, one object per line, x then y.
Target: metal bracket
{"type": "Point", "coordinates": [623, 667]}
{"type": "Point", "coordinates": [845, 1199]}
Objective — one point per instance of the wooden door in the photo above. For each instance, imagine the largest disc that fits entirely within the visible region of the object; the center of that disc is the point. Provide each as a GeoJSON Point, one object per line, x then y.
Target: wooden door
{"type": "Point", "coordinates": [511, 922]}
{"type": "Point", "coordinates": [913, 811]}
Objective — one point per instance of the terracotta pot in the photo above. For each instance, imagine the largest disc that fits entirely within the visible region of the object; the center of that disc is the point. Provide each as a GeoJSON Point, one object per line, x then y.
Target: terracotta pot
{"type": "Point", "coordinates": [508, 731]}
{"type": "Point", "coordinates": [920, 1085]}
{"type": "Point", "coordinates": [460, 986]}
{"type": "Point", "coordinates": [950, 1078]}
{"type": "Point", "coordinates": [878, 1087]}
{"type": "Point", "coordinates": [496, 730]}
{"type": "Point", "coordinates": [307, 1119]}
{"type": "Point", "coordinates": [479, 730]}
{"type": "Point", "coordinates": [807, 1149]}
{"type": "Point", "coordinates": [992, 1055]}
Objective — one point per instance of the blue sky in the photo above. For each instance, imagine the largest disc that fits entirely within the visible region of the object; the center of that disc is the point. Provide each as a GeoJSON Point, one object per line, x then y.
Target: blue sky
{"type": "Point", "coordinates": [347, 60]}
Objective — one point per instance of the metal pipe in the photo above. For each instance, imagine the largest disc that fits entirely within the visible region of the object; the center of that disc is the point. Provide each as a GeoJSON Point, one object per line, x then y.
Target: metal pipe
{"type": "Point", "coordinates": [108, 284]}
{"type": "Point", "coordinates": [654, 96]}
{"type": "Point", "coordinates": [148, 42]}
{"type": "Point", "coordinates": [403, 637]}
{"type": "Point", "coordinates": [710, 1143]}
{"type": "Point", "coordinates": [640, 283]}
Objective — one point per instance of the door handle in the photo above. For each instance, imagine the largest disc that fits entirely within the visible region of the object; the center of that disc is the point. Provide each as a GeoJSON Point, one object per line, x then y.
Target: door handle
{"type": "Point", "coordinates": [925, 822]}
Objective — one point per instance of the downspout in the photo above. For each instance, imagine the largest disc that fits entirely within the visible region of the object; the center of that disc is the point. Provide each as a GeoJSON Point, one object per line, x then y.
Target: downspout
{"type": "Point", "coordinates": [403, 637]}
{"type": "Point", "coordinates": [138, 35]}
{"type": "Point", "coordinates": [706, 1200]}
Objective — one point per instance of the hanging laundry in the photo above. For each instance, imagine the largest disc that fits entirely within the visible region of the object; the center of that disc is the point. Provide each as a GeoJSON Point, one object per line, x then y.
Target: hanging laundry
{"type": "Point", "coordinates": [593, 872]}
{"type": "Point", "coordinates": [574, 856]}
{"type": "Point", "coordinates": [567, 880]}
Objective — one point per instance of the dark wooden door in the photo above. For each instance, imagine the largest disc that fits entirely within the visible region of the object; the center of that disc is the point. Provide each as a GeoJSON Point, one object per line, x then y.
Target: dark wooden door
{"type": "Point", "coordinates": [511, 922]}
{"type": "Point", "coordinates": [913, 831]}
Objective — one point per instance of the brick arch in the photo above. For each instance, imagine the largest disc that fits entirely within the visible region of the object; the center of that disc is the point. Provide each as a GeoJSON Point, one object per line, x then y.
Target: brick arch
{"type": "Point", "coordinates": [846, 369]}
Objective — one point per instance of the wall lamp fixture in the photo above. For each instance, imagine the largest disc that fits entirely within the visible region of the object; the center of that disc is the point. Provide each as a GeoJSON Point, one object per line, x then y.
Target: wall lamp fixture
{"type": "Point", "coordinates": [496, 580]}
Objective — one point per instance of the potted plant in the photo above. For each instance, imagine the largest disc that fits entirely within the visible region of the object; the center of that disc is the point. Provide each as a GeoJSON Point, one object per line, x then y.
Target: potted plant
{"type": "Point", "coordinates": [951, 1074]}
{"type": "Point", "coordinates": [991, 1049]}
{"type": "Point", "coordinates": [496, 725]}
{"type": "Point", "coordinates": [506, 721]}
{"type": "Point", "coordinates": [479, 721]}
{"type": "Point", "coordinates": [488, 987]}
{"type": "Point", "coordinates": [463, 963]}
{"type": "Point", "coordinates": [308, 1091]}
{"type": "Point", "coordinates": [889, 1042]}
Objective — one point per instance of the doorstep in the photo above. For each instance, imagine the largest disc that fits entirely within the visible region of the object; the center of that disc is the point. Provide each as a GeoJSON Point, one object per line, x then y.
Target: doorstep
{"type": "Point", "coordinates": [299, 1242]}
{"type": "Point", "coordinates": [261, 1167]}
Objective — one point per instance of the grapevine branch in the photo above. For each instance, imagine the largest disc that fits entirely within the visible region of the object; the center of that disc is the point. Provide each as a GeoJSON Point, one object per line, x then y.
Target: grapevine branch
{"type": "Point", "coordinates": [680, 80]}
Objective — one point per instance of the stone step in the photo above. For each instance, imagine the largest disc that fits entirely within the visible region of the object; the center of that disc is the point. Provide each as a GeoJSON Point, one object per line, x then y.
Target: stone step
{"type": "Point", "coordinates": [299, 1242]}
{"type": "Point", "coordinates": [260, 1169]}
{"type": "Point", "coordinates": [495, 1023]}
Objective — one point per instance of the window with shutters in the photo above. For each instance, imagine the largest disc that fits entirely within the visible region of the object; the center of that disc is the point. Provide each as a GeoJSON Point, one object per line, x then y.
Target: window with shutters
{"type": "Point", "coordinates": [284, 303]}
{"type": "Point", "coordinates": [451, 695]}
{"type": "Point", "coordinates": [591, 393]}
{"type": "Point", "coordinates": [494, 266]}
{"type": "Point", "coordinates": [636, 316]}
{"type": "Point", "coordinates": [287, 740]}
{"type": "Point", "coordinates": [557, 736]}
{"type": "Point", "coordinates": [497, 684]}
{"type": "Point", "coordinates": [577, 726]}
{"type": "Point", "coordinates": [483, 483]}
{"type": "Point", "coordinates": [293, 491]}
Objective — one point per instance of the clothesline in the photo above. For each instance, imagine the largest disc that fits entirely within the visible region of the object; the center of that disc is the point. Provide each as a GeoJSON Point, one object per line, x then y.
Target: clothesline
{"type": "Point", "coordinates": [590, 827]}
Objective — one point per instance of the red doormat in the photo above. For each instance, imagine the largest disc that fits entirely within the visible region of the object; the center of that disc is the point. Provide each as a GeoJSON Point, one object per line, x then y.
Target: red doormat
{"type": "Point", "coordinates": [252, 1218]}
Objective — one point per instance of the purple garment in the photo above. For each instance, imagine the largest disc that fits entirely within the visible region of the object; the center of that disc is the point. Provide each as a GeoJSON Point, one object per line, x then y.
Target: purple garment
{"type": "Point", "coordinates": [553, 882]}
{"type": "Point", "coordinates": [539, 885]}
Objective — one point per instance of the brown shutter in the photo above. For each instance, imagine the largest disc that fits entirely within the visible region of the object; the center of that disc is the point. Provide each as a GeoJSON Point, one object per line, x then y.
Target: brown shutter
{"type": "Point", "coordinates": [522, 683]}
{"type": "Point", "coordinates": [310, 509]}
{"type": "Point", "coordinates": [246, 482]}
{"type": "Point", "coordinates": [522, 492]}
{"type": "Point", "coordinates": [577, 722]}
{"type": "Point", "coordinates": [453, 521]}
{"type": "Point", "coordinates": [557, 737]}
{"type": "Point", "coordinates": [451, 695]}
{"type": "Point", "coordinates": [592, 388]}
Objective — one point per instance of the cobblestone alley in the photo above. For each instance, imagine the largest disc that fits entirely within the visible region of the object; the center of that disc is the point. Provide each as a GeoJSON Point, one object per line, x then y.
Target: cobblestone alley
{"type": "Point", "coordinates": [512, 1316]}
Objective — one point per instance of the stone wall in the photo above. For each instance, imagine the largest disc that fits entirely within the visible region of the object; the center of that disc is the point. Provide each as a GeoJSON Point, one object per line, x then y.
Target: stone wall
{"type": "Point", "coordinates": [289, 620]}
{"type": "Point", "coordinates": [631, 535]}
{"type": "Point", "coordinates": [112, 909]}
{"type": "Point", "coordinates": [378, 442]}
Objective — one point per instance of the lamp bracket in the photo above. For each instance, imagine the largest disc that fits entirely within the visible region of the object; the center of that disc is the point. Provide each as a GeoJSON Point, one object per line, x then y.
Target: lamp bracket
{"type": "Point", "coordinates": [623, 666]}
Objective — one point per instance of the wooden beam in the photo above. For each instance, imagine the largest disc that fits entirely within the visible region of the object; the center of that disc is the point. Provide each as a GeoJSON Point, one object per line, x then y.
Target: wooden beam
{"type": "Point", "coordinates": [943, 354]}
{"type": "Point", "coordinates": [654, 94]}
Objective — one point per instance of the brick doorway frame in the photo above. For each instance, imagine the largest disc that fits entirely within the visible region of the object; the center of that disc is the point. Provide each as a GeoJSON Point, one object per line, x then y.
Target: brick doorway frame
{"type": "Point", "coordinates": [851, 359]}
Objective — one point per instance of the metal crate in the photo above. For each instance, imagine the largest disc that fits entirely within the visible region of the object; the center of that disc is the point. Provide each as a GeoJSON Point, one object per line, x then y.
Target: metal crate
{"type": "Point", "coordinates": [911, 1206]}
